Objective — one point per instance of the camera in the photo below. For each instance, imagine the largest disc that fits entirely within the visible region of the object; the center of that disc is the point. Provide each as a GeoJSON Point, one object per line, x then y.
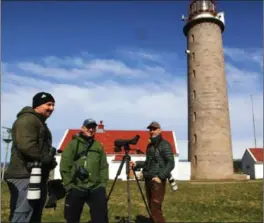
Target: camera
{"type": "Point", "coordinates": [173, 183]}
{"type": "Point", "coordinates": [34, 191]}
{"type": "Point", "coordinates": [52, 151]}
{"type": "Point", "coordinates": [82, 173]}
{"type": "Point", "coordinates": [119, 143]}
{"type": "Point", "coordinates": [34, 187]}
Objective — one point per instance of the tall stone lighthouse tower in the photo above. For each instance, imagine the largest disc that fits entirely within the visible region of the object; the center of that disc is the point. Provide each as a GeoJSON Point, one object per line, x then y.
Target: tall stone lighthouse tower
{"type": "Point", "coordinates": [209, 137]}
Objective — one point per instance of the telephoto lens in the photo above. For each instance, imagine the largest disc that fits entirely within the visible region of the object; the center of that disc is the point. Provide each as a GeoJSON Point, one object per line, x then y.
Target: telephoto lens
{"type": "Point", "coordinates": [173, 183]}
{"type": "Point", "coordinates": [34, 190]}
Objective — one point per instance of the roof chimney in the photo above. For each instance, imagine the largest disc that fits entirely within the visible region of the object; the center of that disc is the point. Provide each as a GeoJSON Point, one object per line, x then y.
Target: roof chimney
{"type": "Point", "coordinates": [100, 127]}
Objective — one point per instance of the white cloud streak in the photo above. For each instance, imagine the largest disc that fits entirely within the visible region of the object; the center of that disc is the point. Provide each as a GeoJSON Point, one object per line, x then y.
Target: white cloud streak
{"type": "Point", "coordinates": [242, 55]}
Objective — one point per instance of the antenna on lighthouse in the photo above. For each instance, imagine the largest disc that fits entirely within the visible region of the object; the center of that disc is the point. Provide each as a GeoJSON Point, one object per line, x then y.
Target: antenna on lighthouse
{"type": "Point", "coordinates": [6, 137]}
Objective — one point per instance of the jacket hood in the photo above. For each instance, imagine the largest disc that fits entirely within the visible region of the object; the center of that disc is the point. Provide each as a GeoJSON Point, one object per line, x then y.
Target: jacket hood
{"type": "Point", "coordinates": [30, 110]}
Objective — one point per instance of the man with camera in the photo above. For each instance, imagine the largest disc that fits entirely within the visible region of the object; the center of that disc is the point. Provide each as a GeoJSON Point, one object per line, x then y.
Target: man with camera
{"type": "Point", "coordinates": [32, 148]}
{"type": "Point", "coordinates": [156, 169]}
{"type": "Point", "coordinates": [84, 172]}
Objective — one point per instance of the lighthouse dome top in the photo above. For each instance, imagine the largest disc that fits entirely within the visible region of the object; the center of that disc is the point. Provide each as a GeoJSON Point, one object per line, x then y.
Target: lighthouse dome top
{"type": "Point", "coordinates": [201, 6]}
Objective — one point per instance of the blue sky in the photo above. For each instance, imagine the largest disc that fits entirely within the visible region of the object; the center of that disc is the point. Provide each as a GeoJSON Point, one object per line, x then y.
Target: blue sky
{"type": "Point", "coordinates": [124, 62]}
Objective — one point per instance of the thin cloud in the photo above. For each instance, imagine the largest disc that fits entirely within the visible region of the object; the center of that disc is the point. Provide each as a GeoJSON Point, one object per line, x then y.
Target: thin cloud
{"type": "Point", "coordinates": [239, 55]}
{"type": "Point", "coordinates": [242, 80]}
{"type": "Point", "coordinates": [143, 55]}
{"type": "Point", "coordinates": [78, 68]}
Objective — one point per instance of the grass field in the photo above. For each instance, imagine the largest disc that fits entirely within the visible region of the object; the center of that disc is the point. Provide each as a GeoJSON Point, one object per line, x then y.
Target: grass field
{"type": "Point", "coordinates": [192, 202]}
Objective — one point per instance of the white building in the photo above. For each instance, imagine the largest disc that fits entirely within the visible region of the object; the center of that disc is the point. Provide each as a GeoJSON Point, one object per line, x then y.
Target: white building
{"type": "Point", "coordinates": [137, 152]}
{"type": "Point", "coordinates": [252, 163]}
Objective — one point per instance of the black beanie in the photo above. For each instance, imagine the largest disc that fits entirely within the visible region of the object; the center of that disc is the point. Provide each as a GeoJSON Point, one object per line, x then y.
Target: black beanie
{"type": "Point", "coordinates": [42, 98]}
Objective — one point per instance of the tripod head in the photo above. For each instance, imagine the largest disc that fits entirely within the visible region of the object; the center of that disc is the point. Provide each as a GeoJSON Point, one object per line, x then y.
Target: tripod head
{"type": "Point", "coordinates": [119, 143]}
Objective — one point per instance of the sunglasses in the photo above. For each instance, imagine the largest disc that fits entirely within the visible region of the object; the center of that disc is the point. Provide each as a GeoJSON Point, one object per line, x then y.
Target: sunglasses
{"type": "Point", "coordinates": [91, 126]}
{"type": "Point", "coordinates": [152, 129]}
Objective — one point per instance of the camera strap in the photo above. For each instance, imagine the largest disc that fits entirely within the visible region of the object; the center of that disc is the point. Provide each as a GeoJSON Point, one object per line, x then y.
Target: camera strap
{"type": "Point", "coordinates": [159, 153]}
{"type": "Point", "coordinates": [83, 153]}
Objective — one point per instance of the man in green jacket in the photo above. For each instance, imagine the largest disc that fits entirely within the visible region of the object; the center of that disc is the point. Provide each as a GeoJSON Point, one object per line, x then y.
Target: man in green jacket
{"type": "Point", "coordinates": [32, 143]}
{"type": "Point", "coordinates": [84, 172]}
{"type": "Point", "coordinates": [156, 169]}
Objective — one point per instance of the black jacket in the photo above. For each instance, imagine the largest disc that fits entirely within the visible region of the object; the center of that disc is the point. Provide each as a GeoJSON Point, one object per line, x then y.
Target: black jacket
{"type": "Point", "coordinates": [159, 159]}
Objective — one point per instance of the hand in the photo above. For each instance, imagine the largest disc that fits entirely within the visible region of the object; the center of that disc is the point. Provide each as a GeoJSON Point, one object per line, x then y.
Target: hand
{"type": "Point", "coordinates": [54, 164]}
{"type": "Point", "coordinates": [47, 159]}
{"type": "Point", "coordinates": [156, 179]}
{"type": "Point", "coordinates": [132, 164]}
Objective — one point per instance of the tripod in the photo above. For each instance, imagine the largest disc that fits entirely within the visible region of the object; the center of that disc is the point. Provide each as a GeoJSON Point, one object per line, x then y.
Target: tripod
{"type": "Point", "coordinates": [126, 159]}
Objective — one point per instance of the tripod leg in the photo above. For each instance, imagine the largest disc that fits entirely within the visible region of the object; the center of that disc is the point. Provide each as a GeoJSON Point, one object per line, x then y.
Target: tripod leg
{"type": "Point", "coordinates": [128, 187]}
{"type": "Point", "coordinates": [117, 174]}
{"type": "Point", "coordinates": [143, 197]}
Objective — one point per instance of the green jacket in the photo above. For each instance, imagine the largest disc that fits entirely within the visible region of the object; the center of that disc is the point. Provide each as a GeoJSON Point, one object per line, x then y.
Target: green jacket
{"type": "Point", "coordinates": [94, 162]}
{"type": "Point", "coordinates": [159, 159]}
{"type": "Point", "coordinates": [31, 140]}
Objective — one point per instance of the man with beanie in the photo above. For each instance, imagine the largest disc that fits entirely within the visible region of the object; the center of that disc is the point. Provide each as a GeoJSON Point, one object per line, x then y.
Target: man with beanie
{"type": "Point", "coordinates": [84, 172]}
{"type": "Point", "coordinates": [156, 169]}
{"type": "Point", "coordinates": [32, 143]}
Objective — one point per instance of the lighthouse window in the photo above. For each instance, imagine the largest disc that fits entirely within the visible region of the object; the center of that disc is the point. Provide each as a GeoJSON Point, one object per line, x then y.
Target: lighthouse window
{"type": "Point", "coordinates": [195, 160]}
{"type": "Point", "coordinates": [192, 38]}
{"type": "Point", "coordinates": [194, 94]}
{"type": "Point", "coordinates": [193, 56]}
{"type": "Point", "coordinates": [194, 74]}
{"type": "Point", "coordinates": [194, 138]}
{"type": "Point", "coordinates": [194, 116]}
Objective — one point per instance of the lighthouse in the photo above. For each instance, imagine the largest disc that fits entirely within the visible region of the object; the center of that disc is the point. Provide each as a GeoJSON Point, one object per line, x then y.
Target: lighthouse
{"type": "Point", "coordinates": [209, 133]}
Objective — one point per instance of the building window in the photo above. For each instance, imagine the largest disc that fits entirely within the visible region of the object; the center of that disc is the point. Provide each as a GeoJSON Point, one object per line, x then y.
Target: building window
{"type": "Point", "coordinates": [194, 94]}
{"type": "Point", "coordinates": [194, 116]}
{"type": "Point", "coordinates": [194, 74]}
{"type": "Point", "coordinates": [192, 38]}
{"type": "Point", "coordinates": [193, 56]}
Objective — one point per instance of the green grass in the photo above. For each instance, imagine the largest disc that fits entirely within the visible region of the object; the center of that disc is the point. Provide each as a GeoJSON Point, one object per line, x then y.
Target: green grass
{"type": "Point", "coordinates": [239, 201]}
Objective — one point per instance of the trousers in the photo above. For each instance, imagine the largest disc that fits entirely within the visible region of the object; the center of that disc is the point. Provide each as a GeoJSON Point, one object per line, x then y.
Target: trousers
{"type": "Point", "coordinates": [22, 209]}
{"type": "Point", "coordinates": [96, 199]}
{"type": "Point", "coordinates": [155, 193]}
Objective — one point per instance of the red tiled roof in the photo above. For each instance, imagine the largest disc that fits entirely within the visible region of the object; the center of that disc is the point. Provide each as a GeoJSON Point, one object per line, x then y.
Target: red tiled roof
{"type": "Point", "coordinates": [107, 138]}
{"type": "Point", "coordinates": [257, 153]}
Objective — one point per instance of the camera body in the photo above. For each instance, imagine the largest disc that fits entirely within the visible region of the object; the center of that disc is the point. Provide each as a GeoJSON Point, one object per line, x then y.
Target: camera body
{"type": "Point", "coordinates": [82, 173]}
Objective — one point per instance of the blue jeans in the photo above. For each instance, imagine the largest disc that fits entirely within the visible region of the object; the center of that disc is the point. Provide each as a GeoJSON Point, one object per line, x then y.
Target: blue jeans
{"type": "Point", "coordinates": [22, 209]}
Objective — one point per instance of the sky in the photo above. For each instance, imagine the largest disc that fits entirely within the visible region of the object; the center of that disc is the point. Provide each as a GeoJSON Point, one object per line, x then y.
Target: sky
{"type": "Point", "coordinates": [125, 63]}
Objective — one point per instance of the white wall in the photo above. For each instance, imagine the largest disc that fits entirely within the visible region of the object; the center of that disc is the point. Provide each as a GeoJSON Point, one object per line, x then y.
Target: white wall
{"type": "Point", "coordinates": [184, 171]}
{"type": "Point", "coordinates": [181, 170]}
{"type": "Point", "coordinates": [248, 163]}
{"type": "Point", "coordinates": [57, 168]}
{"type": "Point", "coordinates": [259, 171]}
